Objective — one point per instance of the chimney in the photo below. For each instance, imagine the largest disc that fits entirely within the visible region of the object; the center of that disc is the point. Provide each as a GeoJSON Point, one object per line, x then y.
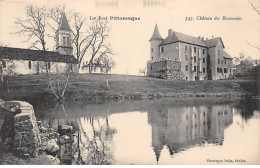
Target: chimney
{"type": "Point", "coordinates": [169, 32]}
{"type": "Point", "coordinates": [212, 36]}
{"type": "Point", "coordinates": [199, 37]}
{"type": "Point", "coordinates": [202, 38]}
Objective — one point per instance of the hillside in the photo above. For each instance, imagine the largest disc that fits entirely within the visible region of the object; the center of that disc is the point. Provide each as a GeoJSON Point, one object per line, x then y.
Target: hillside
{"type": "Point", "coordinates": [93, 87]}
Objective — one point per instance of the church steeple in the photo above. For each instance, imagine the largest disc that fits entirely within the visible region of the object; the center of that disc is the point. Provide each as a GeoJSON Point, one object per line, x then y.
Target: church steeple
{"type": "Point", "coordinates": [156, 34]}
{"type": "Point", "coordinates": [64, 25]}
{"type": "Point", "coordinates": [63, 37]}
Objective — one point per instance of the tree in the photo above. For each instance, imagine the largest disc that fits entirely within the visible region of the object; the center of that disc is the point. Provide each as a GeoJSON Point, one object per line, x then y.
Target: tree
{"type": "Point", "coordinates": [105, 63]}
{"type": "Point", "coordinates": [99, 44]}
{"type": "Point", "coordinates": [34, 26]}
{"type": "Point", "coordinates": [243, 64]}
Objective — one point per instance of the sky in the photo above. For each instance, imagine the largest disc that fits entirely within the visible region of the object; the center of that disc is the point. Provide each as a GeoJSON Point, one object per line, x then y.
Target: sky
{"type": "Point", "coordinates": [130, 39]}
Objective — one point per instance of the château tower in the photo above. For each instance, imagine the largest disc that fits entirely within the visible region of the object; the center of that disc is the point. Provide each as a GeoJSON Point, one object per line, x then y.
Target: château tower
{"type": "Point", "coordinates": [63, 37]}
{"type": "Point", "coordinates": [155, 42]}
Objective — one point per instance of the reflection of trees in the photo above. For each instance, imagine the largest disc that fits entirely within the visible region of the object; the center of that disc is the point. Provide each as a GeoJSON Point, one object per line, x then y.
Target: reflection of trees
{"type": "Point", "coordinates": [247, 107]}
{"type": "Point", "coordinates": [94, 144]}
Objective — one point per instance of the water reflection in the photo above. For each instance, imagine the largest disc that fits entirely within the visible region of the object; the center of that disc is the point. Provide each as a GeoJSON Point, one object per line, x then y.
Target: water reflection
{"type": "Point", "coordinates": [150, 132]}
{"type": "Point", "coordinates": [183, 127]}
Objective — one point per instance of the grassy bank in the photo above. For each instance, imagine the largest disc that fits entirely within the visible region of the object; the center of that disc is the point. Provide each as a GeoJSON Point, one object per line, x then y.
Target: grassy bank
{"type": "Point", "coordinates": [93, 87]}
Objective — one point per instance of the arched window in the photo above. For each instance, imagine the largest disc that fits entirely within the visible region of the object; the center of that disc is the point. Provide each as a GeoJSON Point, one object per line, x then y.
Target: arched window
{"type": "Point", "coordinates": [68, 41]}
{"type": "Point", "coordinates": [30, 64]}
{"type": "Point", "coordinates": [64, 41]}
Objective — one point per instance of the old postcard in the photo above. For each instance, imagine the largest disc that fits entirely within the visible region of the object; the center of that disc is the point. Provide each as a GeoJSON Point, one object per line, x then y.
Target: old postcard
{"type": "Point", "coordinates": [129, 82]}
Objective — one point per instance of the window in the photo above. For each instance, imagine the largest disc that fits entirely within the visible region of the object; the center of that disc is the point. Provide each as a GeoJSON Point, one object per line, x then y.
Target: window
{"type": "Point", "coordinates": [152, 58]}
{"type": "Point", "coordinates": [230, 71]}
{"type": "Point", "coordinates": [152, 50]}
{"type": "Point", "coordinates": [30, 65]}
{"type": "Point", "coordinates": [225, 70]}
{"type": "Point", "coordinates": [162, 49]}
{"type": "Point", "coordinates": [186, 78]}
{"type": "Point", "coordinates": [186, 67]}
{"type": "Point", "coordinates": [217, 69]}
{"type": "Point", "coordinates": [186, 57]}
{"type": "Point", "coordinates": [68, 41]}
{"type": "Point", "coordinates": [151, 68]}
{"type": "Point", "coordinates": [194, 68]}
{"type": "Point", "coordinates": [218, 53]}
{"type": "Point", "coordinates": [218, 61]}
{"type": "Point", "coordinates": [194, 58]}
{"type": "Point", "coordinates": [203, 51]}
{"type": "Point", "coordinates": [204, 70]}
{"type": "Point", "coordinates": [204, 60]}
{"type": "Point", "coordinates": [49, 65]}
{"type": "Point", "coordinates": [64, 41]}
{"type": "Point", "coordinates": [4, 64]}
{"type": "Point", "coordinates": [194, 49]}
{"type": "Point", "coordinates": [186, 48]}
{"type": "Point", "coordinates": [225, 61]}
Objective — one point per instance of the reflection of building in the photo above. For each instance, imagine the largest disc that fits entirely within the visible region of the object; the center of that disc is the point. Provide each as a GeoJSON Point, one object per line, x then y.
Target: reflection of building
{"type": "Point", "coordinates": [182, 127]}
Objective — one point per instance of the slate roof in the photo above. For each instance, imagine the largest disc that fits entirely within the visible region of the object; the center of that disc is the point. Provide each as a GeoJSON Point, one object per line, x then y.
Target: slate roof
{"type": "Point", "coordinates": [156, 34]}
{"type": "Point", "coordinates": [176, 36]}
{"type": "Point", "coordinates": [35, 55]}
{"type": "Point", "coordinates": [180, 37]}
{"type": "Point", "coordinates": [213, 42]}
{"type": "Point", "coordinates": [64, 25]}
{"type": "Point", "coordinates": [226, 55]}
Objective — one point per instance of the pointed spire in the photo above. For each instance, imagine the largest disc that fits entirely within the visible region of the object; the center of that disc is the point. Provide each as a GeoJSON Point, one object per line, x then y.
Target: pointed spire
{"type": "Point", "coordinates": [64, 25]}
{"type": "Point", "coordinates": [156, 34]}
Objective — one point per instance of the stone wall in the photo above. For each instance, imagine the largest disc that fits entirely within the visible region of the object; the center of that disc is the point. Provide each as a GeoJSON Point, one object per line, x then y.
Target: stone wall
{"type": "Point", "coordinates": [166, 69]}
{"type": "Point", "coordinates": [26, 138]}
{"type": "Point", "coordinates": [21, 67]}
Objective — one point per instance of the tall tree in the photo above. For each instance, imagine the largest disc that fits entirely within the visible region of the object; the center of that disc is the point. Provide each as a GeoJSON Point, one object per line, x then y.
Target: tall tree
{"type": "Point", "coordinates": [34, 27]}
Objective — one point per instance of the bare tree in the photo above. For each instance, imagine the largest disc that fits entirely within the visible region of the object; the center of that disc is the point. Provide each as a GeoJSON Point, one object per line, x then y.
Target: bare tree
{"type": "Point", "coordinates": [34, 26]}
{"type": "Point", "coordinates": [83, 36]}
{"type": "Point", "coordinates": [99, 41]}
{"type": "Point", "coordinates": [106, 63]}
{"type": "Point", "coordinates": [253, 6]}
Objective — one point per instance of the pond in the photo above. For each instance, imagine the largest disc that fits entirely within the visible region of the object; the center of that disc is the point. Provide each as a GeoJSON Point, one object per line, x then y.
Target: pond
{"type": "Point", "coordinates": [183, 131]}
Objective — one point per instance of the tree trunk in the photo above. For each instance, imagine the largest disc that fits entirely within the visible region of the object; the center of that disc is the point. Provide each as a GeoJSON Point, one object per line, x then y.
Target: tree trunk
{"type": "Point", "coordinates": [107, 82]}
{"type": "Point", "coordinates": [7, 84]}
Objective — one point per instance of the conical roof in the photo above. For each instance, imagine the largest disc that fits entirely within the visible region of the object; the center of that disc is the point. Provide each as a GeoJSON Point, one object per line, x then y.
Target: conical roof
{"type": "Point", "coordinates": [64, 25]}
{"type": "Point", "coordinates": [156, 34]}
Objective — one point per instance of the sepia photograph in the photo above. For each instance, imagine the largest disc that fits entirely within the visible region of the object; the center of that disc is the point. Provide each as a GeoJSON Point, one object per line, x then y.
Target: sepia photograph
{"type": "Point", "coordinates": [129, 82]}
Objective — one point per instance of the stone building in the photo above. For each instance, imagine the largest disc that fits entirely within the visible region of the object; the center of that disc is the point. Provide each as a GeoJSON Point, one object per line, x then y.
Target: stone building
{"type": "Point", "coordinates": [186, 57]}
{"type": "Point", "coordinates": [26, 61]}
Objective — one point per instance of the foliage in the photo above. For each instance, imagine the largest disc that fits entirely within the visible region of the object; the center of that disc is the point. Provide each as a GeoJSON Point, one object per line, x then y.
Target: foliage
{"type": "Point", "coordinates": [105, 63]}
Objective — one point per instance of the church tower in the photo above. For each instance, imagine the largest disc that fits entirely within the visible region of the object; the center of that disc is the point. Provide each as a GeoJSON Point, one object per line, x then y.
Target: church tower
{"type": "Point", "coordinates": [63, 37]}
{"type": "Point", "coordinates": [155, 42]}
